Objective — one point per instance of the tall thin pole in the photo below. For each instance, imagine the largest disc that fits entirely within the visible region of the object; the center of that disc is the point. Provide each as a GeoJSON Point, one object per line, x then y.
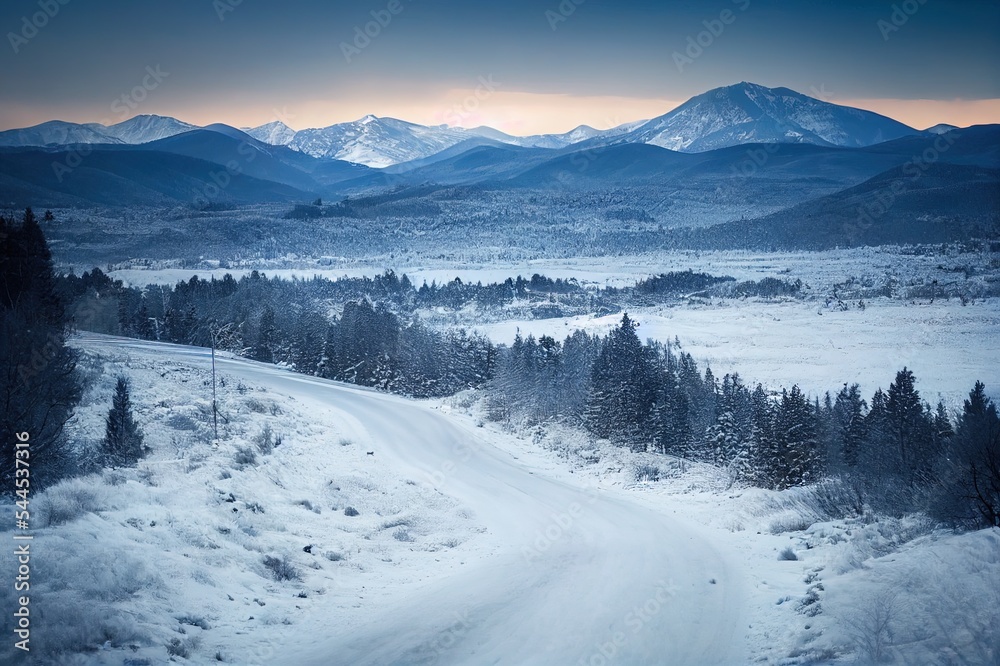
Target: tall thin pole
{"type": "Point", "coordinates": [215, 409]}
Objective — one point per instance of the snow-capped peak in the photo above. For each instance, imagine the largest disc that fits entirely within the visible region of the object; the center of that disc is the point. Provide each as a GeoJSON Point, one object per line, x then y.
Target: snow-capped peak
{"type": "Point", "coordinates": [146, 128]}
{"type": "Point", "coordinates": [275, 133]}
{"type": "Point", "coordinates": [751, 113]}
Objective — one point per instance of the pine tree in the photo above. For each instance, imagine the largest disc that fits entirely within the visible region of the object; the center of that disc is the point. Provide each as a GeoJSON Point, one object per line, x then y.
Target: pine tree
{"type": "Point", "coordinates": [144, 327]}
{"type": "Point", "coordinates": [622, 390]}
{"type": "Point", "coordinates": [38, 383]}
{"type": "Point", "coordinates": [761, 445]}
{"type": "Point", "coordinates": [729, 436]}
{"type": "Point", "coordinates": [909, 428]}
{"type": "Point", "coordinates": [672, 419]}
{"type": "Point", "coordinates": [967, 488]}
{"type": "Point", "coordinates": [123, 440]}
{"type": "Point", "coordinates": [943, 431]}
{"type": "Point", "coordinates": [849, 422]}
{"type": "Point", "coordinates": [796, 434]}
{"type": "Point", "coordinates": [263, 350]}
{"type": "Point", "coordinates": [978, 453]}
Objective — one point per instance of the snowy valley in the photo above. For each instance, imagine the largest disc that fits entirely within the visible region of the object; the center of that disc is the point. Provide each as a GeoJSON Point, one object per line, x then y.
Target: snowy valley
{"type": "Point", "coordinates": [718, 387]}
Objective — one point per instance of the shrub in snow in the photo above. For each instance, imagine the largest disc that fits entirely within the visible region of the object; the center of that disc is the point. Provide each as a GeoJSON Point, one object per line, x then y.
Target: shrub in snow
{"type": "Point", "coordinates": [395, 522]}
{"type": "Point", "coordinates": [194, 621]}
{"type": "Point", "coordinates": [88, 594]}
{"type": "Point", "coordinates": [870, 627]}
{"type": "Point", "coordinates": [83, 625]}
{"type": "Point", "coordinates": [68, 501]}
{"type": "Point", "coordinates": [788, 554]}
{"type": "Point", "coordinates": [334, 557]}
{"type": "Point", "coordinates": [310, 506]}
{"type": "Point", "coordinates": [351, 511]}
{"type": "Point", "coordinates": [402, 535]}
{"type": "Point", "coordinates": [281, 568]}
{"type": "Point", "coordinates": [114, 478]}
{"type": "Point", "coordinates": [645, 472]}
{"type": "Point", "coordinates": [789, 522]}
{"type": "Point", "coordinates": [265, 440]}
{"type": "Point", "coordinates": [244, 456]}
{"type": "Point", "coordinates": [178, 648]}
{"type": "Point", "coordinates": [147, 476]}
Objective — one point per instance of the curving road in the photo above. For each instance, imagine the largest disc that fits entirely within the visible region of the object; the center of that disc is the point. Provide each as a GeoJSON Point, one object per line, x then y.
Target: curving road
{"type": "Point", "coordinates": [578, 577]}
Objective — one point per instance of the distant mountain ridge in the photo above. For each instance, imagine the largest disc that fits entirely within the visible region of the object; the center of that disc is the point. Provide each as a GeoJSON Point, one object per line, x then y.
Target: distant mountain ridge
{"type": "Point", "coordinates": [732, 115]}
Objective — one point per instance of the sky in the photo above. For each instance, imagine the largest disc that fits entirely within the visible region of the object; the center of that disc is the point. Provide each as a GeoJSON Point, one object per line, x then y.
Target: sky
{"type": "Point", "coordinates": [522, 67]}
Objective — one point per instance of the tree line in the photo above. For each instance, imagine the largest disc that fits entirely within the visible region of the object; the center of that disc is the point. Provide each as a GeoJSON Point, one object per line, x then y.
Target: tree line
{"type": "Point", "coordinates": [894, 453]}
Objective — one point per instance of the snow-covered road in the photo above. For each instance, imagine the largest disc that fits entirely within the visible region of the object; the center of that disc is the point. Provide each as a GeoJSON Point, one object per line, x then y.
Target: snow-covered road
{"type": "Point", "coordinates": [572, 575]}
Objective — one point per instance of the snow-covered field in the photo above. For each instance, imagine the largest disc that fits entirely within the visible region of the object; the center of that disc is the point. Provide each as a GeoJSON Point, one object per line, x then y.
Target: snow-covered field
{"type": "Point", "coordinates": [471, 546]}
{"type": "Point", "coordinates": [820, 270]}
{"type": "Point", "coordinates": [947, 345]}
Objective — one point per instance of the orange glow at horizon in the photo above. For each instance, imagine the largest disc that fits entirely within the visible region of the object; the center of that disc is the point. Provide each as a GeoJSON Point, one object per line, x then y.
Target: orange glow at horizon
{"type": "Point", "coordinates": [518, 113]}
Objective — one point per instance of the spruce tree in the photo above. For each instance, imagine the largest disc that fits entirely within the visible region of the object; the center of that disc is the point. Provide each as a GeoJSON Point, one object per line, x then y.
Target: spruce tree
{"type": "Point", "coordinates": [263, 350]}
{"type": "Point", "coordinates": [123, 440]}
{"type": "Point", "coordinates": [796, 433]}
{"type": "Point", "coordinates": [909, 428]}
{"type": "Point", "coordinates": [849, 422]}
{"type": "Point", "coordinates": [978, 454]}
{"type": "Point", "coordinates": [38, 383]}
{"type": "Point", "coordinates": [622, 390]}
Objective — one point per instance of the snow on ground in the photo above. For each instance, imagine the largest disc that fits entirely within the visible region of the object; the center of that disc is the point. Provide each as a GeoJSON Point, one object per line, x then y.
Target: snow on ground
{"type": "Point", "coordinates": [858, 589]}
{"type": "Point", "coordinates": [472, 544]}
{"type": "Point", "coordinates": [171, 557]}
{"type": "Point", "coordinates": [820, 270]}
{"type": "Point", "coordinates": [778, 343]}
{"type": "Point", "coordinates": [948, 346]}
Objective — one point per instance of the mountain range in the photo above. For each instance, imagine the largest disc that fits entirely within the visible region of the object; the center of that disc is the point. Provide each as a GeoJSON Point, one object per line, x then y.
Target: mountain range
{"type": "Point", "coordinates": [732, 115]}
{"type": "Point", "coordinates": [749, 164]}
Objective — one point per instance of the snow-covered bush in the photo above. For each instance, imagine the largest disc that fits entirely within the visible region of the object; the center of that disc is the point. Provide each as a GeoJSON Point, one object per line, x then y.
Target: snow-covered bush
{"type": "Point", "coordinates": [402, 534]}
{"type": "Point", "coordinates": [281, 568]}
{"type": "Point", "coordinates": [68, 500]}
{"type": "Point", "coordinates": [244, 457]}
{"type": "Point", "coordinates": [182, 648]}
{"type": "Point", "coordinates": [265, 440]}
{"type": "Point", "coordinates": [870, 627]}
